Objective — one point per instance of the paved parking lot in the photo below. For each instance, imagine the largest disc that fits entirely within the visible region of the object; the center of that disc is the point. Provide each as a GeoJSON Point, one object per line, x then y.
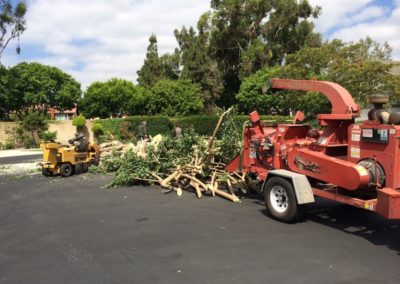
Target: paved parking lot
{"type": "Point", "coordinates": [55, 230]}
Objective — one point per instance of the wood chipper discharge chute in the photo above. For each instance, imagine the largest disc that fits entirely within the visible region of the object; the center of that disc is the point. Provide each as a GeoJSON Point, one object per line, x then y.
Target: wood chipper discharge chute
{"type": "Point", "coordinates": [340, 160]}
{"type": "Point", "coordinates": [69, 159]}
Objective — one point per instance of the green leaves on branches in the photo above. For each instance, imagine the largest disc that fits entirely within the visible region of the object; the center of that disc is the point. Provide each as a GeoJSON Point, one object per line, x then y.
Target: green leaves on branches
{"type": "Point", "coordinates": [33, 87]}
{"type": "Point", "coordinates": [12, 22]}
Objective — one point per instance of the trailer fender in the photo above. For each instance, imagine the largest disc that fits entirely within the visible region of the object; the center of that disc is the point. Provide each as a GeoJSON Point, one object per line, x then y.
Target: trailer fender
{"type": "Point", "coordinates": [301, 185]}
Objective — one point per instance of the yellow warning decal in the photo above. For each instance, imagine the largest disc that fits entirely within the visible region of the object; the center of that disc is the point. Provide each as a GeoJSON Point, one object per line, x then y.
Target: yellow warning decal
{"type": "Point", "coordinates": [361, 170]}
{"type": "Point", "coordinates": [369, 206]}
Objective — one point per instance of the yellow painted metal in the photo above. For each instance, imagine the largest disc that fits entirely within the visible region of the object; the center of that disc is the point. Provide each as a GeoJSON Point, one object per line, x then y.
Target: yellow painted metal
{"type": "Point", "coordinates": [55, 154]}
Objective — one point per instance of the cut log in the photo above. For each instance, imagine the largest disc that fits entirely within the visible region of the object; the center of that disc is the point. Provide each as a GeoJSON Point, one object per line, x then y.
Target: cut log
{"type": "Point", "coordinates": [228, 196]}
{"type": "Point", "coordinates": [197, 188]}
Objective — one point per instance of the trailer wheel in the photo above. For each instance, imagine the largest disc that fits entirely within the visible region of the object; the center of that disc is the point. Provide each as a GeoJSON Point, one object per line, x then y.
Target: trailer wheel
{"type": "Point", "coordinates": [280, 200]}
{"type": "Point", "coordinates": [66, 170]}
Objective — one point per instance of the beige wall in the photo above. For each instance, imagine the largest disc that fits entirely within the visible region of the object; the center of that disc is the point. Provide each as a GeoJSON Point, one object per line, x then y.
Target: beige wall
{"type": "Point", "coordinates": [3, 129]}
{"type": "Point", "coordinates": [65, 130]}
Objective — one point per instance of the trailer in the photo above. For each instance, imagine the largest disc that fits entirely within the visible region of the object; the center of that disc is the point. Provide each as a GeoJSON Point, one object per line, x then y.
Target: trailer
{"type": "Point", "coordinates": [355, 164]}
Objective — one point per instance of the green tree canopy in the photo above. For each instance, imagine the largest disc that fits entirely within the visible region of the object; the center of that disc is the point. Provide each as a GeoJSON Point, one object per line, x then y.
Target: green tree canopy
{"type": "Point", "coordinates": [251, 96]}
{"type": "Point", "coordinates": [361, 68]}
{"type": "Point", "coordinates": [112, 98]}
{"type": "Point", "coordinates": [36, 87]}
{"type": "Point", "coordinates": [174, 98]}
{"type": "Point", "coordinates": [248, 35]}
{"type": "Point", "coordinates": [3, 91]}
{"type": "Point", "coordinates": [197, 64]}
{"type": "Point", "coordinates": [12, 22]}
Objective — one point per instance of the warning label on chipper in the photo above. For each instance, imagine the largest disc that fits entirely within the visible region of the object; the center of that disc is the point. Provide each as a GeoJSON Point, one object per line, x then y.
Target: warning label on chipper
{"type": "Point", "coordinates": [355, 152]}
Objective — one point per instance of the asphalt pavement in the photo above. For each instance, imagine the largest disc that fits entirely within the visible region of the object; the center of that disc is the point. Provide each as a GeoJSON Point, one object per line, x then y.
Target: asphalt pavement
{"type": "Point", "coordinates": [21, 159]}
{"type": "Point", "coordinates": [55, 230]}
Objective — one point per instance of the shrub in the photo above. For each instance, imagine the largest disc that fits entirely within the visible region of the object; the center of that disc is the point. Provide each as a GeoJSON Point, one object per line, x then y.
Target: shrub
{"type": "Point", "coordinates": [48, 136]}
{"type": "Point", "coordinates": [127, 133]}
{"type": "Point", "coordinates": [29, 142]}
{"type": "Point", "coordinates": [97, 129]}
{"type": "Point", "coordinates": [9, 144]}
{"type": "Point", "coordinates": [111, 126]}
{"type": "Point", "coordinates": [79, 122]}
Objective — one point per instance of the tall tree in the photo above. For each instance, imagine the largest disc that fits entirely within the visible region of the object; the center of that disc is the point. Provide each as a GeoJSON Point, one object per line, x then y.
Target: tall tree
{"type": "Point", "coordinates": [151, 71]}
{"type": "Point", "coordinates": [157, 67]}
{"type": "Point", "coordinates": [12, 23]}
{"type": "Point", "coordinates": [34, 87]}
{"type": "Point", "coordinates": [197, 64]}
{"type": "Point", "coordinates": [248, 35]}
{"type": "Point", "coordinates": [170, 68]}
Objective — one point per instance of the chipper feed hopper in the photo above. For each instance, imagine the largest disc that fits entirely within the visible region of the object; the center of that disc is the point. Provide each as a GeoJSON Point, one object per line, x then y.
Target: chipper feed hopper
{"type": "Point", "coordinates": [355, 164]}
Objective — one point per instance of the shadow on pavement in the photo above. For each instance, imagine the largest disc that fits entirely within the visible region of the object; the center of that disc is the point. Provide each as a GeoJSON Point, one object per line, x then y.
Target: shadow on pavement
{"type": "Point", "coordinates": [351, 220]}
{"type": "Point", "coordinates": [368, 225]}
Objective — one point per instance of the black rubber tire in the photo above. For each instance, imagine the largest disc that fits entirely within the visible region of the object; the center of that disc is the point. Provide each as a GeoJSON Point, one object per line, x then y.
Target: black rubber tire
{"type": "Point", "coordinates": [46, 172]}
{"type": "Point", "coordinates": [94, 162]}
{"type": "Point", "coordinates": [66, 170]}
{"type": "Point", "coordinates": [84, 167]}
{"type": "Point", "coordinates": [292, 212]}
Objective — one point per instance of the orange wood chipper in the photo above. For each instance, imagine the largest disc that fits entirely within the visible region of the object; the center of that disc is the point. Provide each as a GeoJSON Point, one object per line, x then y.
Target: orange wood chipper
{"type": "Point", "coordinates": [355, 164]}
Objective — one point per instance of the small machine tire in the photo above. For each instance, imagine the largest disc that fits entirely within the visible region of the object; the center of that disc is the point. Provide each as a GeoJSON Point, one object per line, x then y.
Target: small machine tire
{"type": "Point", "coordinates": [66, 170]}
{"type": "Point", "coordinates": [94, 162]}
{"type": "Point", "coordinates": [85, 167]}
{"type": "Point", "coordinates": [280, 200]}
{"type": "Point", "coordinates": [46, 172]}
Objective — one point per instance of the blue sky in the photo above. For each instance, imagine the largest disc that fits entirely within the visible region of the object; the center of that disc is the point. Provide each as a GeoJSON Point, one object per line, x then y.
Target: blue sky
{"type": "Point", "coordinates": [100, 39]}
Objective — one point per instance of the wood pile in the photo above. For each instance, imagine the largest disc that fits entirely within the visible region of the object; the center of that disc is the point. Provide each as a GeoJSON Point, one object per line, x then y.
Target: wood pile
{"type": "Point", "coordinates": [139, 148]}
{"type": "Point", "coordinates": [202, 175]}
{"type": "Point", "coordinates": [204, 179]}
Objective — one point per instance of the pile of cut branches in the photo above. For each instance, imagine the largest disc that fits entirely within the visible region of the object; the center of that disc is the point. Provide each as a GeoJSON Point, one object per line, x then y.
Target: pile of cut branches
{"type": "Point", "coordinates": [189, 163]}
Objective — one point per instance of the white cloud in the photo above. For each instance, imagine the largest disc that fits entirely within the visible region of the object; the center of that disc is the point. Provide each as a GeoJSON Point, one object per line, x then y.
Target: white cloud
{"type": "Point", "coordinates": [337, 12]}
{"type": "Point", "coordinates": [381, 29]}
{"type": "Point", "coordinates": [105, 38]}
{"type": "Point", "coordinates": [352, 20]}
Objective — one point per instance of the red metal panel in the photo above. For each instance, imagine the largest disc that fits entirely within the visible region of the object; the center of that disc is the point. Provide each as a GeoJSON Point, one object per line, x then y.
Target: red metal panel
{"type": "Point", "coordinates": [329, 169]}
{"type": "Point", "coordinates": [332, 195]}
{"type": "Point", "coordinates": [388, 203]}
{"type": "Point", "coordinates": [341, 100]}
{"type": "Point", "coordinates": [386, 154]}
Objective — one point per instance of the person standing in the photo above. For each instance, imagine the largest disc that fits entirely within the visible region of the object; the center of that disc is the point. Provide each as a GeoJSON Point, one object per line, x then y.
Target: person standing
{"type": "Point", "coordinates": [178, 133]}
{"type": "Point", "coordinates": [142, 130]}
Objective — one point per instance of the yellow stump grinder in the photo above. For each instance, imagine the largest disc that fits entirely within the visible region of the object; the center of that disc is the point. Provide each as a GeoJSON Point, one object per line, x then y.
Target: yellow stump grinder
{"type": "Point", "coordinates": [69, 159]}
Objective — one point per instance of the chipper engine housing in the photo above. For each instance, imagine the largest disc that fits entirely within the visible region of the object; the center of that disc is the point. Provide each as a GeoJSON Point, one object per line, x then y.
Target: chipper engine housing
{"type": "Point", "coordinates": [354, 164]}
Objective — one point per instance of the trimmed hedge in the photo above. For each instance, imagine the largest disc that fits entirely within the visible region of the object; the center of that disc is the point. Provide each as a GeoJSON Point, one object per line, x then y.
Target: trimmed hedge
{"type": "Point", "coordinates": [125, 129]}
{"type": "Point", "coordinates": [202, 124]}
{"type": "Point", "coordinates": [155, 124]}
{"type": "Point", "coordinates": [122, 129]}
